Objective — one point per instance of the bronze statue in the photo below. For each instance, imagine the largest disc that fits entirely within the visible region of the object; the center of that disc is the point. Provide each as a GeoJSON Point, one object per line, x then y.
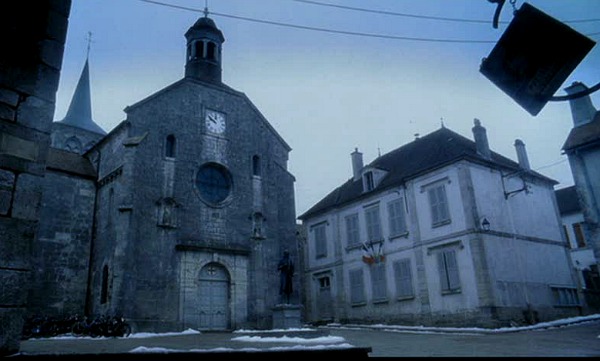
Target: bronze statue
{"type": "Point", "coordinates": [286, 272]}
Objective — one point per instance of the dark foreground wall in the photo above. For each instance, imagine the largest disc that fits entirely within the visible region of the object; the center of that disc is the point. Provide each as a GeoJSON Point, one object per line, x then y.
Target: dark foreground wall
{"type": "Point", "coordinates": [32, 34]}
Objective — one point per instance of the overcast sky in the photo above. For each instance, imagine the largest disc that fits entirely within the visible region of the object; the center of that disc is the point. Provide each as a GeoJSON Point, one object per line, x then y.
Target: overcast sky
{"type": "Point", "coordinates": [327, 93]}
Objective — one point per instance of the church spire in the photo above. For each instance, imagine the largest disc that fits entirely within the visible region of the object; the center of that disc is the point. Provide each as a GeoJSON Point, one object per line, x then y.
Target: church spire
{"type": "Point", "coordinates": [204, 43]}
{"type": "Point", "coordinates": [80, 111]}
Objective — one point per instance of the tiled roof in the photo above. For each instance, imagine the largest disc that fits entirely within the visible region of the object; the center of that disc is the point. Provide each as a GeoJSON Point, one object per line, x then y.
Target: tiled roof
{"type": "Point", "coordinates": [69, 162]}
{"type": "Point", "coordinates": [568, 200]}
{"type": "Point", "coordinates": [435, 150]}
{"type": "Point", "coordinates": [584, 134]}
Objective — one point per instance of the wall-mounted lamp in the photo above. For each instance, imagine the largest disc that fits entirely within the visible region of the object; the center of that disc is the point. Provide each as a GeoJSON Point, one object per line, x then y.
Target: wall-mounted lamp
{"type": "Point", "coordinates": [485, 224]}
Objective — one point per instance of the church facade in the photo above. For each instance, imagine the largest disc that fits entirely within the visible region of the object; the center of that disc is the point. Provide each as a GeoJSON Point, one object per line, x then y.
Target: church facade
{"type": "Point", "coordinates": [177, 217]}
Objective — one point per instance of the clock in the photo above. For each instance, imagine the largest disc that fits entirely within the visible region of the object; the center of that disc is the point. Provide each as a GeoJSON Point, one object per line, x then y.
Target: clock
{"type": "Point", "coordinates": [215, 121]}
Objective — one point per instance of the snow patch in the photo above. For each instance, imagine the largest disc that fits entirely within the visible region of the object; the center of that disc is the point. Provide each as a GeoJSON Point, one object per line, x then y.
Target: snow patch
{"type": "Point", "coordinates": [300, 340]}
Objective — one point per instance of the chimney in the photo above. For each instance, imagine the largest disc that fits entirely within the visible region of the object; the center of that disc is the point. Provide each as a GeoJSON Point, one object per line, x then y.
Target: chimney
{"type": "Point", "coordinates": [522, 154]}
{"type": "Point", "coordinates": [582, 109]}
{"type": "Point", "coordinates": [481, 141]}
{"type": "Point", "coordinates": [357, 163]}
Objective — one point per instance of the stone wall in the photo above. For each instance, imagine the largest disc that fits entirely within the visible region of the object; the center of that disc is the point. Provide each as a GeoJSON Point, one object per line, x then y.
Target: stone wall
{"type": "Point", "coordinates": [62, 254]}
{"type": "Point", "coordinates": [146, 253]}
{"type": "Point", "coordinates": [32, 34]}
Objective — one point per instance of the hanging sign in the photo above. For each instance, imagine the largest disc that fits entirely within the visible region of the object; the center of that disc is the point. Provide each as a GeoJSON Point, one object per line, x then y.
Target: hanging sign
{"type": "Point", "coordinates": [533, 57]}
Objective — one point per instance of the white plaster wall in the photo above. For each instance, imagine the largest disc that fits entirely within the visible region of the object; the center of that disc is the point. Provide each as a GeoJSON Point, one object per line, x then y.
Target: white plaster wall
{"type": "Point", "coordinates": [530, 213]}
{"type": "Point", "coordinates": [522, 271]}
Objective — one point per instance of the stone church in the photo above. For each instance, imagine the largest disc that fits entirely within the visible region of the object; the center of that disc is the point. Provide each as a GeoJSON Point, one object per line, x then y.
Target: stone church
{"type": "Point", "coordinates": [177, 217]}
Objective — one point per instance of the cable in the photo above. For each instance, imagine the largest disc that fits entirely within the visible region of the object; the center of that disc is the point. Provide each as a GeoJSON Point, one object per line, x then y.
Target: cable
{"type": "Point", "coordinates": [333, 31]}
{"type": "Point", "coordinates": [439, 18]}
{"type": "Point", "coordinates": [323, 29]}
{"type": "Point", "coordinates": [551, 164]}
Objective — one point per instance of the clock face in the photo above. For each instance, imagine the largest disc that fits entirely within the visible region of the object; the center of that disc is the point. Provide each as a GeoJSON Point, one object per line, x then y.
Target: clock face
{"type": "Point", "coordinates": [215, 121]}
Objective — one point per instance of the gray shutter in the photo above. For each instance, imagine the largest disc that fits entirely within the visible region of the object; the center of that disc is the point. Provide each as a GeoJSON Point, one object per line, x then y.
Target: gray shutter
{"type": "Point", "coordinates": [442, 269]}
{"type": "Point", "coordinates": [403, 276]}
{"type": "Point", "coordinates": [452, 267]}
{"type": "Point", "coordinates": [433, 203]}
{"type": "Point", "coordinates": [378, 281]}
{"type": "Point", "coordinates": [401, 216]}
{"type": "Point", "coordinates": [356, 286]}
{"type": "Point", "coordinates": [443, 204]}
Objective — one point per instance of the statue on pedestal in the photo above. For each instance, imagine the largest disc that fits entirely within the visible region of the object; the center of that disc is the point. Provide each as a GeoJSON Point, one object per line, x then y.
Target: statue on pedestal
{"type": "Point", "coordinates": [286, 272]}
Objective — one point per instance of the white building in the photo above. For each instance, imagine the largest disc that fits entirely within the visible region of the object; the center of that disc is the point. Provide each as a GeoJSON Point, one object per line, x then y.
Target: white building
{"type": "Point", "coordinates": [441, 231]}
{"type": "Point", "coordinates": [582, 254]}
{"type": "Point", "coordinates": [582, 148]}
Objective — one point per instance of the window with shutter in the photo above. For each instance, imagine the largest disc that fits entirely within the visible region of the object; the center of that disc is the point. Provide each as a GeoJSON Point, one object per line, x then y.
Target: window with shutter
{"type": "Point", "coordinates": [439, 205]}
{"type": "Point", "coordinates": [378, 282]}
{"type": "Point", "coordinates": [373, 224]}
{"type": "Point", "coordinates": [320, 241]}
{"type": "Point", "coordinates": [403, 275]}
{"type": "Point", "coordinates": [352, 230]}
{"type": "Point", "coordinates": [396, 217]}
{"type": "Point", "coordinates": [448, 267]}
{"type": "Point", "coordinates": [357, 288]}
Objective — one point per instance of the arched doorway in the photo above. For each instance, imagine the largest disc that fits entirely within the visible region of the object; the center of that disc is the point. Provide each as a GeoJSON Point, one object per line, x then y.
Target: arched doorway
{"type": "Point", "coordinates": [213, 297]}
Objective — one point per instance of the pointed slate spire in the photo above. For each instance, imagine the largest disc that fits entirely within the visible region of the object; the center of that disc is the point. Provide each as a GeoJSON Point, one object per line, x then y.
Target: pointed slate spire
{"type": "Point", "coordinates": [80, 111]}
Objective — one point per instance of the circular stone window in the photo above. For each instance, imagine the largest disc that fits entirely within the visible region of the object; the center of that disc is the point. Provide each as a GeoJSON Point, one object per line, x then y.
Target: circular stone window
{"type": "Point", "coordinates": [214, 183]}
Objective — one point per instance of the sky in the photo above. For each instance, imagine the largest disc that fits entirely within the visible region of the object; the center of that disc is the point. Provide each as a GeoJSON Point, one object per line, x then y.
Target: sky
{"type": "Point", "coordinates": [327, 93]}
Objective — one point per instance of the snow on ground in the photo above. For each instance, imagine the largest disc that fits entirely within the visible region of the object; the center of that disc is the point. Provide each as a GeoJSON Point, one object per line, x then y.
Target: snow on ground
{"type": "Point", "coordinates": [143, 349]}
{"type": "Point", "coordinates": [390, 328]}
{"type": "Point", "coordinates": [298, 340]}
{"type": "Point", "coordinates": [292, 329]}
{"type": "Point", "coordinates": [425, 329]}
{"type": "Point", "coordinates": [189, 331]}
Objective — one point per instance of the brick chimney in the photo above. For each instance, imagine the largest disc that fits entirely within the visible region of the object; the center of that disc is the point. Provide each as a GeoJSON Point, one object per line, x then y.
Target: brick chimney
{"type": "Point", "coordinates": [522, 154]}
{"type": "Point", "coordinates": [357, 163]}
{"type": "Point", "coordinates": [481, 141]}
{"type": "Point", "coordinates": [582, 109]}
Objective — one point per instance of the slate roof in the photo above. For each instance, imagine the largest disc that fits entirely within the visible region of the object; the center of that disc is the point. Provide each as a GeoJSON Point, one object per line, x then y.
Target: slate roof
{"type": "Point", "coordinates": [568, 200]}
{"type": "Point", "coordinates": [70, 162]}
{"type": "Point", "coordinates": [584, 134]}
{"type": "Point", "coordinates": [435, 150]}
{"type": "Point", "coordinates": [80, 110]}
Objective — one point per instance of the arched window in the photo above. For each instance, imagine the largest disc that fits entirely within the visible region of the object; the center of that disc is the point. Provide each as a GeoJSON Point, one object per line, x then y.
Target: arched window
{"type": "Point", "coordinates": [104, 291]}
{"type": "Point", "coordinates": [256, 165]}
{"type": "Point", "coordinates": [170, 146]}
{"type": "Point", "coordinates": [199, 49]}
{"type": "Point", "coordinates": [211, 52]}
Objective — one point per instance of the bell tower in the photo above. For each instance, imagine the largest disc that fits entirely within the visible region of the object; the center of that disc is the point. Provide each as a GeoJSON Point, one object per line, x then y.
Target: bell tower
{"type": "Point", "coordinates": [203, 56]}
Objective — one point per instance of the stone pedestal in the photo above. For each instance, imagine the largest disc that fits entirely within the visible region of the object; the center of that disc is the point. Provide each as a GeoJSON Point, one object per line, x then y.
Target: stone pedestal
{"type": "Point", "coordinates": [287, 316]}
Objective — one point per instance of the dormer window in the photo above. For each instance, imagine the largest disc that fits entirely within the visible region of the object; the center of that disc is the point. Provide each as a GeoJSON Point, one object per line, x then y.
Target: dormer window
{"type": "Point", "coordinates": [369, 184]}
